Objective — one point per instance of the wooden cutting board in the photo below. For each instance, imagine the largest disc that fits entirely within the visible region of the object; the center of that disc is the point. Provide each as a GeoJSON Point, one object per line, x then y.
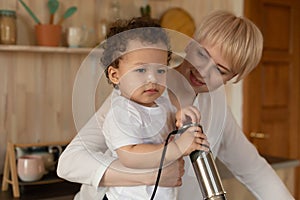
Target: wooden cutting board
{"type": "Point", "coordinates": [179, 20]}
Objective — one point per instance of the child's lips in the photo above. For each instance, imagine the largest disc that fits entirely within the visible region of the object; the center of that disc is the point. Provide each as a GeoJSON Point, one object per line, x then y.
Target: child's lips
{"type": "Point", "coordinates": [196, 81]}
{"type": "Point", "coordinates": [151, 91]}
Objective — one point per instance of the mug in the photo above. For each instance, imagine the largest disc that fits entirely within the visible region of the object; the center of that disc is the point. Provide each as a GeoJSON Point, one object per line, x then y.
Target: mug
{"type": "Point", "coordinates": [74, 36]}
{"type": "Point", "coordinates": [30, 168]}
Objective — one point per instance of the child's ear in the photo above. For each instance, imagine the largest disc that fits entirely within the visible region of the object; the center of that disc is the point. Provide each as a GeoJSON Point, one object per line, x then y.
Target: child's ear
{"type": "Point", "coordinates": [113, 75]}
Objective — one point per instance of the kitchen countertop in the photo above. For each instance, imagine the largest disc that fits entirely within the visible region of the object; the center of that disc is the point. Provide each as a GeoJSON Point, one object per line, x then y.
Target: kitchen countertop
{"type": "Point", "coordinates": [275, 162]}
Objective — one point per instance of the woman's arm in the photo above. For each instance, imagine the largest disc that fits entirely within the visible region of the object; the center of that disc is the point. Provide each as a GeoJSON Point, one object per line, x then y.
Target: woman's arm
{"type": "Point", "coordinates": [118, 175]}
{"type": "Point", "coordinates": [84, 161]}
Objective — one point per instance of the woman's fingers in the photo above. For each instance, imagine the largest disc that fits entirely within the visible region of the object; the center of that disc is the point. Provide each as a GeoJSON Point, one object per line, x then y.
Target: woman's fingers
{"type": "Point", "coordinates": [201, 139]}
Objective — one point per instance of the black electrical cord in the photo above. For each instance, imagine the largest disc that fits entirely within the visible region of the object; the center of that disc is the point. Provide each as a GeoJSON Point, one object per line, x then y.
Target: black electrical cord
{"type": "Point", "coordinates": [161, 163]}
{"type": "Point", "coordinates": [178, 131]}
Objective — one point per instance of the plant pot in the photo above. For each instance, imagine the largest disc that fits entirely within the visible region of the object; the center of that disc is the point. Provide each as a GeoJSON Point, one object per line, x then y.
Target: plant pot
{"type": "Point", "coordinates": [48, 34]}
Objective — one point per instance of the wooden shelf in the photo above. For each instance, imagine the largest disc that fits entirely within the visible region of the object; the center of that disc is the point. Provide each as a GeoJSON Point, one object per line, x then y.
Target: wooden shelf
{"type": "Point", "coordinates": [44, 49]}
{"type": "Point", "coordinates": [49, 178]}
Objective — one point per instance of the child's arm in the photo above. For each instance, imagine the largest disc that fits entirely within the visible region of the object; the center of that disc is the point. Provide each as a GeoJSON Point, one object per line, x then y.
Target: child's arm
{"type": "Point", "coordinates": [145, 156]}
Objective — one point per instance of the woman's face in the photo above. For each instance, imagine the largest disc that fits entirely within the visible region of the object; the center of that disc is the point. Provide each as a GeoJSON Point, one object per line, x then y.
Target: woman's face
{"type": "Point", "coordinates": [204, 67]}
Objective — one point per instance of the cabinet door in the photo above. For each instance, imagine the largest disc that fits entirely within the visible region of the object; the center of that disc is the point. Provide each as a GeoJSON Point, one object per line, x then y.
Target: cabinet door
{"type": "Point", "coordinates": [271, 91]}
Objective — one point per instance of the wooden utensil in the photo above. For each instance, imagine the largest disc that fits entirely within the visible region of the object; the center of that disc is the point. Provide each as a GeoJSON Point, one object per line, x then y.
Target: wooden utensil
{"type": "Point", "coordinates": [67, 14]}
{"type": "Point", "coordinates": [30, 12]}
{"type": "Point", "coordinates": [53, 6]}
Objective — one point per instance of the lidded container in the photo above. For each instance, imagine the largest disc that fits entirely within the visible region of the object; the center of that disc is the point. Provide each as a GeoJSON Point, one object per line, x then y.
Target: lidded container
{"type": "Point", "coordinates": [8, 27]}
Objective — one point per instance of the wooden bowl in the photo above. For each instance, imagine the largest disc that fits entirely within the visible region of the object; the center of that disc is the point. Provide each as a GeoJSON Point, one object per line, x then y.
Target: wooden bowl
{"type": "Point", "coordinates": [179, 20]}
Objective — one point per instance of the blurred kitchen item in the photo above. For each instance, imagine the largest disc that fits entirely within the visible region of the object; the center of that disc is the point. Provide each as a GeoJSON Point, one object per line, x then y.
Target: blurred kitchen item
{"type": "Point", "coordinates": [48, 34]}
{"type": "Point", "coordinates": [89, 38]}
{"type": "Point", "coordinates": [179, 20]}
{"type": "Point", "coordinates": [145, 11]}
{"type": "Point", "coordinates": [8, 28]}
{"type": "Point", "coordinates": [55, 151]}
{"type": "Point", "coordinates": [67, 14]}
{"type": "Point", "coordinates": [45, 152]}
{"type": "Point", "coordinates": [30, 12]}
{"type": "Point", "coordinates": [74, 36]}
{"type": "Point", "coordinates": [21, 152]}
{"type": "Point", "coordinates": [30, 168]}
{"type": "Point", "coordinates": [115, 9]}
{"type": "Point", "coordinates": [102, 28]}
{"type": "Point", "coordinates": [81, 37]}
{"type": "Point", "coordinates": [53, 6]}
{"type": "Point", "coordinates": [48, 160]}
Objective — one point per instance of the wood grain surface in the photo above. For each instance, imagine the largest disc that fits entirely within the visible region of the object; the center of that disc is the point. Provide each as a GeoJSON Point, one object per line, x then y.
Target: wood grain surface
{"type": "Point", "coordinates": [179, 20]}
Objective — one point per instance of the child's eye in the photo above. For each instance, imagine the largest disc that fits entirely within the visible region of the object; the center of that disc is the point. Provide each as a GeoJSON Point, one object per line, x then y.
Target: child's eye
{"type": "Point", "coordinates": [141, 70]}
{"type": "Point", "coordinates": [161, 71]}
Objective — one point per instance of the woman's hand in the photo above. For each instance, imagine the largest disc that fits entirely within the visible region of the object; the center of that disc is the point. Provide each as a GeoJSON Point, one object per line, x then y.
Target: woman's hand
{"type": "Point", "coordinates": [171, 175]}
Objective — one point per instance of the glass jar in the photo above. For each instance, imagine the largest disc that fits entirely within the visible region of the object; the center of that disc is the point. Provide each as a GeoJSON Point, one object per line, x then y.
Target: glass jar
{"type": "Point", "coordinates": [8, 27]}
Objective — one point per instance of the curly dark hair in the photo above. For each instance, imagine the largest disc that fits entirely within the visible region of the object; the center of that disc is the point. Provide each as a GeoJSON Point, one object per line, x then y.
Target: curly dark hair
{"type": "Point", "coordinates": [140, 28]}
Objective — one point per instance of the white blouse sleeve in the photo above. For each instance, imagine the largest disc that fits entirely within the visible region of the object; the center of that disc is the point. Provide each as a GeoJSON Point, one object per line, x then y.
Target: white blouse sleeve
{"type": "Point", "coordinates": [243, 160]}
{"type": "Point", "coordinates": [85, 159]}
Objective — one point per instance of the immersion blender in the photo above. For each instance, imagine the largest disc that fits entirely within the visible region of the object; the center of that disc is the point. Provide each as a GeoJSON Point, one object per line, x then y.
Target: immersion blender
{"type": "Point", "coordinates": [206, 171]}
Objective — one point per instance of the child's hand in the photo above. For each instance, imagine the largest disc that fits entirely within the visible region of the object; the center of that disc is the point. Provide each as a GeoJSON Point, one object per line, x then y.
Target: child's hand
{"type": "Point", "coordinates": [188, 114]}
{"type": "Point", "coordinates": [192, 139]}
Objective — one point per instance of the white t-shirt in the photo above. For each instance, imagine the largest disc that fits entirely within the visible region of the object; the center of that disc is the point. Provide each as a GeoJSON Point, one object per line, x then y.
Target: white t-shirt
{"type": "Point", "coordinates": [129, 123]}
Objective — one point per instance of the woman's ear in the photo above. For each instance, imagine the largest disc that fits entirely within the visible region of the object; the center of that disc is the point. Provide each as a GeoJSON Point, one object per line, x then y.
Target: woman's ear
{"type": "Point", "coordinates": [113, 75]}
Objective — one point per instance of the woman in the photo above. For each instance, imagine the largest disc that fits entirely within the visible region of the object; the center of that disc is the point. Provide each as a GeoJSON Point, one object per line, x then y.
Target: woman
{"type": "Point", "coordinates": [229, 47]}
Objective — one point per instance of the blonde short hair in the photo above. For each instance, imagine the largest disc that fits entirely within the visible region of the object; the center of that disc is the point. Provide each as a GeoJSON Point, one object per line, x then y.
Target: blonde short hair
{"type": "Point", "coordinates": [240, 40]}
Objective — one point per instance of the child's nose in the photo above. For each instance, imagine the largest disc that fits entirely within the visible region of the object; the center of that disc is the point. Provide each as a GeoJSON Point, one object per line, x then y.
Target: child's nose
{"type": "Point", "coordinates": [151, 77]}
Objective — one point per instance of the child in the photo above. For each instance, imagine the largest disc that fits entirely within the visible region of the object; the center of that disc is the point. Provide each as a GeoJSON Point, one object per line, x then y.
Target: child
{"type": "Point", "coordinates": [141, 115]}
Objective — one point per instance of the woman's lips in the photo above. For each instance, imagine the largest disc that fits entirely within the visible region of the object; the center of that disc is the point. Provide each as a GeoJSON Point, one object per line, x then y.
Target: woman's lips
{"type": "Point", "coordinates": [195, 81]}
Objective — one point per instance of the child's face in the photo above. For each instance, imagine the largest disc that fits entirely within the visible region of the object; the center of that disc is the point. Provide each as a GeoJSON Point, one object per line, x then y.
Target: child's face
{"type": "Point", "coordinates": [141, 75]}
{"type": "Point", "coordinates": [206, 69]}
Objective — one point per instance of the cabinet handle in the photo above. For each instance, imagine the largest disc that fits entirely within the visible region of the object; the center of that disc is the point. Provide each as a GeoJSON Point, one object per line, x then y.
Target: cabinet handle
{"type": "Point", "coordinates": [259, 135]}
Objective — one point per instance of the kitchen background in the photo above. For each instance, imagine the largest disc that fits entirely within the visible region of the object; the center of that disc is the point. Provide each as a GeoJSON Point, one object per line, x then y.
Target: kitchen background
{"type": "Point", "coordinates": [37, 82]}
{"type": "Point", "coordinates": [24, 119]}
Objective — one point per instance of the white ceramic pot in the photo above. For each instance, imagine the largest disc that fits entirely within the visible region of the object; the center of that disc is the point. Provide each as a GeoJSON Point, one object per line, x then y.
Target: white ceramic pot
{"type": "Point", "coordinates": [30, 168]}
{"type": "Point", "coordinates": [74, 36]}
{"type": "Point", "coordinates": [48, 159]}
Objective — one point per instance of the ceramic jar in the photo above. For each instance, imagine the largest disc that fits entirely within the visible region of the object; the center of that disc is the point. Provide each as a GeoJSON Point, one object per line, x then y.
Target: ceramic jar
{"type": "Point", "coordinates": [8, 27]}
{"type": "Point", "coordinates": [30, 168]}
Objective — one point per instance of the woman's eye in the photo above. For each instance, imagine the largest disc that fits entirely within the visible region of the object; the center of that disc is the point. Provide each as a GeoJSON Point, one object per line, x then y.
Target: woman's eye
{"type": "Point", "coordinates": [221, 72]}
{"type": "Point", "coordinates": [202, 53]}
